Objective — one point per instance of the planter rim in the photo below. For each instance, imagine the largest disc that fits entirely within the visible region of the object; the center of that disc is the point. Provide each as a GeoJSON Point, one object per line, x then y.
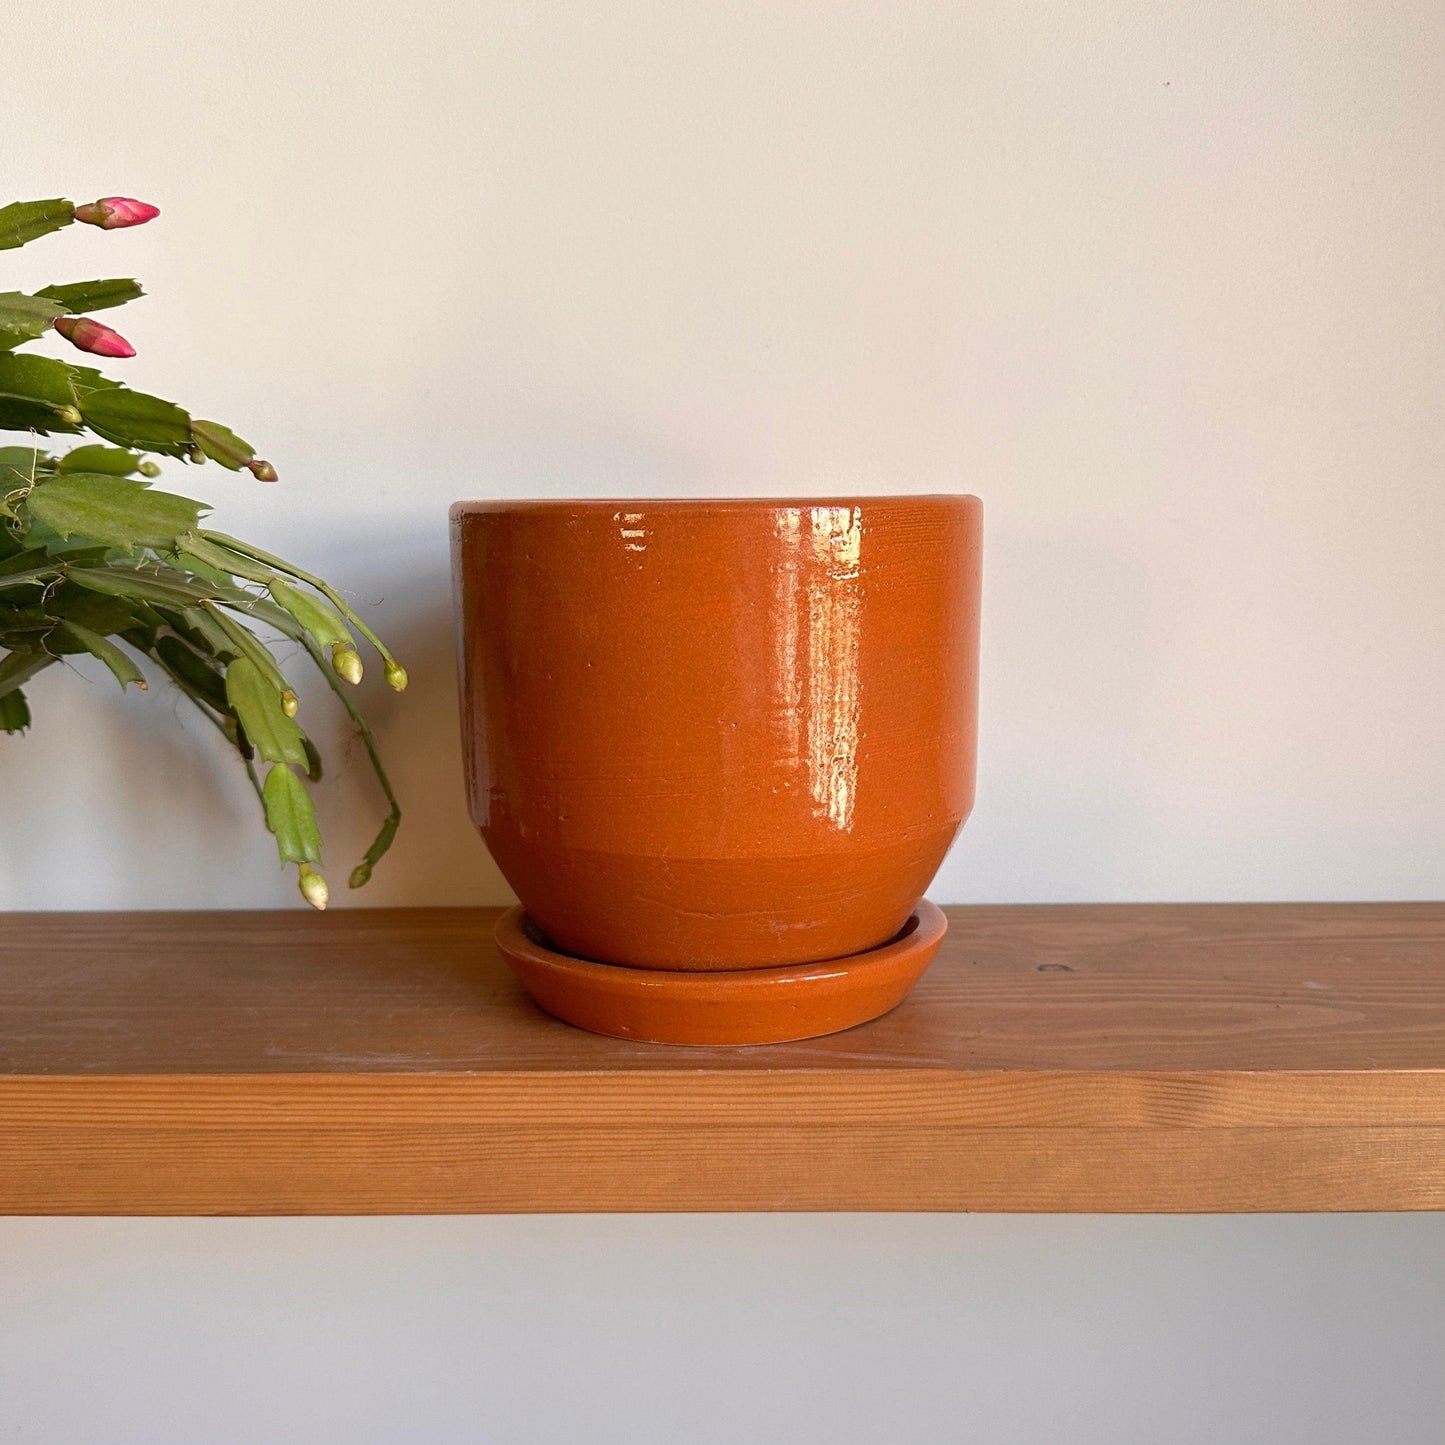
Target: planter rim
{"type": "Point", "coordinates": [710, 504]}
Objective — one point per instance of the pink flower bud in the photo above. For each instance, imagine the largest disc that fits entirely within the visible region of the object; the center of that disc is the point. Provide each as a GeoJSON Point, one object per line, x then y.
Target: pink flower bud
{"type": "Point", "coordinates": [87, 335]}
{"type": "Point", "coordinates": [115, 213]}
{"type": "Point", "coordinates": [262, 471]}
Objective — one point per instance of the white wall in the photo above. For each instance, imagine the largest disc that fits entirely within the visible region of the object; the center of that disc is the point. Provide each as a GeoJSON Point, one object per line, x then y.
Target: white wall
{"type": "Point", "coordinates": [1163, 283]}
{"type": "Point", "coordinates": [686, 1330]}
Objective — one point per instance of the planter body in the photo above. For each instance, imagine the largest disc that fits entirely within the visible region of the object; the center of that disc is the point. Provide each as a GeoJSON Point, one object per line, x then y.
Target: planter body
{"type": "Point", "coordinates": [719, 734]}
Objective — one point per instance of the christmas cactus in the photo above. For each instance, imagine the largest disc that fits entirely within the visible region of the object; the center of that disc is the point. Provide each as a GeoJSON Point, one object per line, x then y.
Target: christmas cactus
{"type": "Point", "coordinates": [93, 559]}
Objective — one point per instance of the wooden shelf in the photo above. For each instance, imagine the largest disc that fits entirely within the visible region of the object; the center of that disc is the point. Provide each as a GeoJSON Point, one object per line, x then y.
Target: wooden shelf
{"type": "Point", "coordinates": [1194, 1058]}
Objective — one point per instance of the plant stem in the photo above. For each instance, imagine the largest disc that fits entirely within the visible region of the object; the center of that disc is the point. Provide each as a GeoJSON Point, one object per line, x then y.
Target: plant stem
{"type": "Point", "coordinates": [17, 668]}
{"type": "Point", "coordinates": [387, 831]}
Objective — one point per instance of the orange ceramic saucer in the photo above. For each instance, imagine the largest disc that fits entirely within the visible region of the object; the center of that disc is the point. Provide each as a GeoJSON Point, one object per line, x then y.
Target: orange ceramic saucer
{"type": "Point", "coordinates": [735, 1006]}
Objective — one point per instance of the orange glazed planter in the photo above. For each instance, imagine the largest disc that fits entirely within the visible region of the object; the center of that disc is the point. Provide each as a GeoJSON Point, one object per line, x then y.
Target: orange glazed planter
{"type": "Point", "coordinates": [712, 738]}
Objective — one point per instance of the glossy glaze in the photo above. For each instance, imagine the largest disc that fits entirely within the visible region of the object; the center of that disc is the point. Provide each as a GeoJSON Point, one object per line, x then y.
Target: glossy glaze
{"type": "Point", "coordinates": [743, 1006]}
{"type": "Point", "coordinates": [719, 735]}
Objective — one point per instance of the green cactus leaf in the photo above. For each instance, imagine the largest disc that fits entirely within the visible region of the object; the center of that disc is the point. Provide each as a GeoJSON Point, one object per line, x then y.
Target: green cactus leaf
{"type": "Point", "coordinates": [206, 627]}
{"type": "Point", "coordinates": [235, 639]}
{"type": "Point", "coordinates": [87, 378]}
{"type": "Point", "coordinates": [314, 766]}
{"type": "Point", "coordinates": [124, 670]}
{"type": "Point", "coordinates": [116, 510]}
{"type": "Point", "coordinates": [142, 584]}
{"type": "Point", "coordinates": [19, 466]}
{"type": "Point", "coordinates": [77, 296]}
{"type": "Point", "coordinates": [222, 445]}
{"type": "Point", "coordinates": [18, 666]}
{"type": "Point", "coordinates": [187, 561]}
{"type": "Point", "coordinates": [361, 874]}
{"type": "Point", "coordinates": [136, 420]}
{"type": "Point", "coordinates": [23, 318]}
{"type": "Point", "coordinates": [39, 576]}
{"type": "Point", "coordinates": [257, 704]}
{"type": "Point", "coordinates": [319, 618]}
{"type": "Point", "coordinates": [28, 417]}
{"type": "Point", "coordinates": [209, 558]}
{"type": "Point", "coordinates": [291, 816]}
{"type": "Point", "coordinates": [194, 670]}
{"type": "Point", "coordinates": [23, 221]}
{"type": "Point", "coordinates": [113, 461]}
{"type": "Point", "coordinates": [27, 565]}
{"type": "Point", "coordinates": [39, 379]}
{"type": "Point", "coordinates": [14, 712]}
{"type": "Point", "coordinates": [27, 627]}
{"type": "Point", "coordinates": [37, 393]}
{"type": "Point", "coordinates": [105, 615]}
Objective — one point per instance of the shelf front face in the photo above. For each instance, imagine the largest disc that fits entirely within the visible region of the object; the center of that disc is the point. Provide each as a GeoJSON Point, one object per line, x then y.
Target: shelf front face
{"type": "Point", "coordinates": [1143, 1057]}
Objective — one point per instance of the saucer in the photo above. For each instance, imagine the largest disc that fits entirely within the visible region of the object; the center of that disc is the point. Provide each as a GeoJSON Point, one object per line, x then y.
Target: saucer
{"type": "Point", "coordinates": [724, 1006]}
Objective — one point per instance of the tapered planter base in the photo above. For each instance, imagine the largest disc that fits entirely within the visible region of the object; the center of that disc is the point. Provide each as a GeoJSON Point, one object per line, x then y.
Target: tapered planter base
{"type": "Point", "coordinates": [721, 1007]}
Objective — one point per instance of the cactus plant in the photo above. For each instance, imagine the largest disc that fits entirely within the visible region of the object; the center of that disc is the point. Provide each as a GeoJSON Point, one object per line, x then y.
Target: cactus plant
{"type": "Point", "coordinates": [95, 560]}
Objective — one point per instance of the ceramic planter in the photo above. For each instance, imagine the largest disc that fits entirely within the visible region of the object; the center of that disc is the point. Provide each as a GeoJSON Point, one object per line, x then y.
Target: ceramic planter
{"type": "Point", "coordinates": [718, 736]}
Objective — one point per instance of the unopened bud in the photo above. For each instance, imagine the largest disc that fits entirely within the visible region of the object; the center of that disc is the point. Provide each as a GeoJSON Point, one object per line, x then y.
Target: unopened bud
{"type": "Point", "coordinates": [395, 676]}
{"type": "Point", "coordinates": [87, 335]}
{"type": "Point", "coordinates": [149, 469]}
{"type": "Point", "coordinates": [347, 662]}
{"type": "Point", "coordinates": [195, 455]}
{"type": "Point", "coordinates": [115, 213]}
{"type": "Point", "coordinates": [262, 471]}
{"type": "Point", "coordinates": [313, 886]}
{"type": "Point", "coordinates": [289, 703]}
{"type": "Point", "coordinates": [360, 875]}
{"type": "Point", "coordinates": [70, 415]}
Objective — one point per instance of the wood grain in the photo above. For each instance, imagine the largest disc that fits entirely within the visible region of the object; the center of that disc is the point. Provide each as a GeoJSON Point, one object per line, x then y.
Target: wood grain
{"type": "Point", "coordinates": [1150, 1057]}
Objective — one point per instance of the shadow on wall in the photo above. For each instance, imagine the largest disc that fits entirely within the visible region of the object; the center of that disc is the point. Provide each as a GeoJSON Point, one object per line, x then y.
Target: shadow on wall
{"type": "Point", "coordinates": [1068, 657]}
{"type": "Point", "coordinates": [438, 857]}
